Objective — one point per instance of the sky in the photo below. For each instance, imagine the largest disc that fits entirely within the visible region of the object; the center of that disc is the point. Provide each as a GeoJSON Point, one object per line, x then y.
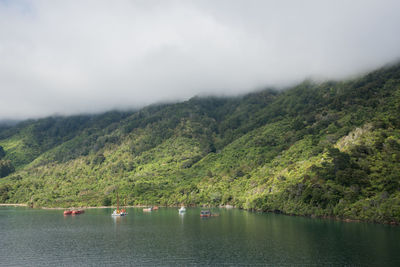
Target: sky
{"type": "Point", "coordinates": [62, 57]}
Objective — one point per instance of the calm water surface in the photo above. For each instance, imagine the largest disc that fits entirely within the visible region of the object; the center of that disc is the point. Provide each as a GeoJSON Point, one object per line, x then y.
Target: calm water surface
{"type": "Point", "coordinates": [34, 237]}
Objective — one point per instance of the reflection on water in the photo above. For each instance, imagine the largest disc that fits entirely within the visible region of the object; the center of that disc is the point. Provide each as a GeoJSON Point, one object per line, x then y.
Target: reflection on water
{"type": "Point", "coordinates": [165, 237]}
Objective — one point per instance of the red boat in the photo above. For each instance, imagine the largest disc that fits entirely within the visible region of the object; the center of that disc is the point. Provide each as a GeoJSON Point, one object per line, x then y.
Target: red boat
{"type": "Point", "coordinates": [75, 212]}
{"type": "Point", "coordinates": [205, 213]}
{"type": "Point", "coordinates": [68, 212]}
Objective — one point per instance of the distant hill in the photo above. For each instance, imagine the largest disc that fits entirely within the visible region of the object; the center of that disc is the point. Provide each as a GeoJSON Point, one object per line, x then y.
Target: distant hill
{"type": "Point", "coordinates": [327, 149]}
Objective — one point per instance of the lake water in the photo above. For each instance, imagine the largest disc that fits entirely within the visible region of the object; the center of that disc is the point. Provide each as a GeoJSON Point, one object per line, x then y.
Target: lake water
{"type": "Point", "coordinates": [35, 237]}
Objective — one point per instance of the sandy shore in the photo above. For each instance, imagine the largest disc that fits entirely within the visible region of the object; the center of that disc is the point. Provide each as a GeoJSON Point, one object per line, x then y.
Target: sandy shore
{"type": "Point", "coordinates": [13, 205]}
{"type": "Point", "coordinates": [61, 208]}
{"type": "Point", "coordinates": [72, 208]}
{"type": "Point", "coordinates": [100, 207]}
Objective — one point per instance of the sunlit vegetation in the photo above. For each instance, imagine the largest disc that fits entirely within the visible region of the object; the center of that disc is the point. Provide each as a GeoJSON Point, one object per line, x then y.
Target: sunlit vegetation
{"type": "Point", "coordinates": [329, 149]}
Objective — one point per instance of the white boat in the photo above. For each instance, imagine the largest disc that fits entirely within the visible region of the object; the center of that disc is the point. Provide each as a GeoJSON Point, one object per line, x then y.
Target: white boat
{"type": "Point", "coordinates": [119, 212]}
{"type": "Point", "coordinates": [148, 209]}
{"type": "Point", "coordinates": [182, 209]}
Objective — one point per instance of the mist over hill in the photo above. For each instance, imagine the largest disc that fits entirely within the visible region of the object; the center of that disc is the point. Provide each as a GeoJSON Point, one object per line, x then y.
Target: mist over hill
{"type": "Point", "coordinates": [76, 57]}
{"type": "Point", "coordinates": [327, 149]}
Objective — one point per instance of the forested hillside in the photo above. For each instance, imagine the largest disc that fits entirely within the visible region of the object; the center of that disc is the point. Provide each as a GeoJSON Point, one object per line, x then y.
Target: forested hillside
{"type": "Point", "coordinates": [320, 149]}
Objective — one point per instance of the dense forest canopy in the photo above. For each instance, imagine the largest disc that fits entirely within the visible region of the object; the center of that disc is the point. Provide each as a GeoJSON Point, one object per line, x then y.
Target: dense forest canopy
{"type": "Point", "coordinates": [325, 149]}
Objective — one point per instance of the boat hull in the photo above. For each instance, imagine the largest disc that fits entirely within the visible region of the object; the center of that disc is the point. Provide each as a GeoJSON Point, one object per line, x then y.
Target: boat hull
{"type": "Point", "coordinates": [76, 212]}
{"type": "Point", "coordinates": [205, 213]}
{"type": "Point", "coordinates": [182, 210]}
{"type": "Point", "coordinates": [118, 215]}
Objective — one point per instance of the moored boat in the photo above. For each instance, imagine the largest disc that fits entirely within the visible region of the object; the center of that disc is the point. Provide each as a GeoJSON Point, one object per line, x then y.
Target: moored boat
{"type": "Point", "coordinates": [119, 212]}
{"type": "Point", "coordinates": [148, 209]}
{"type": "Point", "coordinates": [205, 213]}
{"type": "Point", "coordinates": [182, 209]}
{"type": "Point", "coordinates": [76, 212]}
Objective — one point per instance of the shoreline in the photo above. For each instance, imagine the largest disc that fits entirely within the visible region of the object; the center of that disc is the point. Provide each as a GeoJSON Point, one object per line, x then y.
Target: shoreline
{"type": "Point", "coordinates": [82, 207]}
{"type": "Point", "coordinates": [346, 220]}
{"type": "Point", "coordinates": [106, 207]}
{"type": "Point", "coordinates": [13, 205]}
{"type": "Point", "coordinates": [98, 207]}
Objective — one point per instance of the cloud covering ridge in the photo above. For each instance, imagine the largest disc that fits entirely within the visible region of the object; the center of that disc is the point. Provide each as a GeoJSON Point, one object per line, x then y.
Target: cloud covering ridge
{"type": "Point", "coordinates": [69, 57]}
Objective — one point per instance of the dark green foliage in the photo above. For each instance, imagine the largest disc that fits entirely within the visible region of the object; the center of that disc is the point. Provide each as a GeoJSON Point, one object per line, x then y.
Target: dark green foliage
{"type": "Point", "coordinates": [106, 201]}
{"type": "Point", "coordinates": [2, 152]}
{"type": "Point", "coordinates": [6, 168]}
{"type": "Point", "coordinates": [98, 159]}
{"type": "Point", "coordinates": [4, 193]}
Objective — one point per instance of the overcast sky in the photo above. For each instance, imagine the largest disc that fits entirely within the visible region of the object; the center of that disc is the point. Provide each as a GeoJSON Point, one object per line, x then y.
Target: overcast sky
{"type": "Point", "coordinates": [68, 57]}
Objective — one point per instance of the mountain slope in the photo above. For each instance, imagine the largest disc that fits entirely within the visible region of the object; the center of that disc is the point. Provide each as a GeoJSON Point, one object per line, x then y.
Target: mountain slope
{"type": "Point", "coordinates": [329, 149]}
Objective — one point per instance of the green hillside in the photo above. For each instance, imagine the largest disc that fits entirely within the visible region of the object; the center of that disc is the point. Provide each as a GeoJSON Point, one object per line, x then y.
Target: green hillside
{"type": "Point", "coordinates": [327, 149]}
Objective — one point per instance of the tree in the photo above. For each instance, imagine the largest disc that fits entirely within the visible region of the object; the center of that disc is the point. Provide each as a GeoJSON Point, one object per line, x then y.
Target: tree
{"type": "Point", "coordinates": [98, 159]}
{"type": "Point", "coordinates": [6, 168]}
{"type": "Point", "coordinates": [2, 152]}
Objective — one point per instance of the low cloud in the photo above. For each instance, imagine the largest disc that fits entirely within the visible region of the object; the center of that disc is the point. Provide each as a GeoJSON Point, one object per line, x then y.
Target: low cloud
{"type": "Point", "coordinates": [68, 57]}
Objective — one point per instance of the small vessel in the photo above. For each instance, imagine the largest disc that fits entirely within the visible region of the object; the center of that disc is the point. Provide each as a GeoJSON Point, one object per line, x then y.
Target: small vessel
{"type": "Point", "coordinates": [67, 212]}
{"type": "Point", "coordinates": [148, 209]}
{"type": "Point", "coordinates": [182, 209]}
{"type": "Point", "coordinates": [76, 212]}
{"type": "Point", "coordinates": [119, 212]}
{"type": "Point", "coordinates": [205, 213]}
